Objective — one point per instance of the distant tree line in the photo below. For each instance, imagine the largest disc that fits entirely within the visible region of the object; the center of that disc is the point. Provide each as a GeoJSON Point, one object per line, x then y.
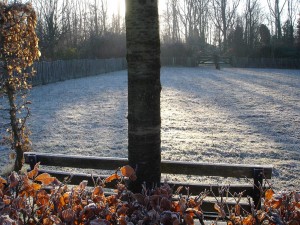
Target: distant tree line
{"type": "Point", "coordinates": [241, 28]}
{"type": "Point", "coordinates": [70, 29]}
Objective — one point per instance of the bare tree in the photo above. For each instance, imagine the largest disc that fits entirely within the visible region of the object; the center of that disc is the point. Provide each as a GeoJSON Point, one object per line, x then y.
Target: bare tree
{"type": "Point", "coordinates": [276, 11]}
{"type": "Point", "coordinates": [252, 19]}
{"type": "Point", "coordinates": [293, 10]}
{"type": "Point", "coordinates": [171, 33]}
{"type": "Point", "coordinates": [223, 16]}
{"type": "Point", "coordinates": [49, 25]}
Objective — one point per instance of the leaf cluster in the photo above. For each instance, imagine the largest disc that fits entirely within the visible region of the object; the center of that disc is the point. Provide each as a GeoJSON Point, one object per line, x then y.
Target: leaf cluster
{"type": "Point", "coordinates": [34, 198]}
{"type": "Point", "coordinates": [18, 50]}
{"type": "Point", "coordinates": [19, 43]}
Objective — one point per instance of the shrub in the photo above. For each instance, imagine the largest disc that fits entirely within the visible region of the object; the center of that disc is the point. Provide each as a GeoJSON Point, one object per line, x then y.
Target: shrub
{"type": "Point", "coordinates": [34, 198]}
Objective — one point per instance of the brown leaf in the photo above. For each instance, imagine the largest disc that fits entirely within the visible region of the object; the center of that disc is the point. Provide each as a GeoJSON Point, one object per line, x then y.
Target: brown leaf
{"type": "Point", "coordinates": [237, 210]}
{"type": "Point", "coordinates": [98, 191]}
{"type": "Point", "coordinates": [189, 220]}
{"type": "Point", "coordinates": [68, 215]}
{"type": "Point", "coordinates": [139, 198]}
{"type": "Point", "coordinates": [112, 177]}
{"type": "Point", "coordinates": [6, 200]}
{"type": "Point", "coordinates": [165, 204]}
{"type": "Point", "coordinates": [33, 173]}
{"type": "Point", "coordinates": [19, 203]}
{"type": "Point", "coordinates": [269, 194]}
{"type": "Point", "coordinates": [2, 182]}
{"type": "Point", "coordinates": [122, 210]}
{"type": "Point", "coordinates": [83, 185]}
{"type": "Point", "coordinates": [276, 204]}
{"type": "Point", "coordinates": [249, 220]}
{"type": "Point", "coordinates": [127, 171]}
{"type": "Point", "coordinates": [42, 198]}
{"type": "Point", "coordinates": [14, 179]}
{"type": "Point", "coordinates": [45, 178]}
{"type": "Point", "coordinates": [122, 220]}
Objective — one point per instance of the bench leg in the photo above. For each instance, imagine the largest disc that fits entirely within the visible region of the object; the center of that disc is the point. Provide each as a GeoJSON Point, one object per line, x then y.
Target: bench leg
{"type": "Point", "coordinates": [32, 160]}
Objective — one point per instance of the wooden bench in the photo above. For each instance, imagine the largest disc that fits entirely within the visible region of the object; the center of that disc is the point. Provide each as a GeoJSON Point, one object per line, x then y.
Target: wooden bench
{"type": "Point", "coordinates": [207, 60]}
{"type": "Point", "coordinates": [255, 172]}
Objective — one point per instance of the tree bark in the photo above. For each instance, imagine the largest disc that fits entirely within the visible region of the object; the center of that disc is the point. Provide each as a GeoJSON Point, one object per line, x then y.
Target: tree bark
{"type": "Point", "coordinates": [16, 139]}
{"type": "Point", "coordinates": [144, 121]}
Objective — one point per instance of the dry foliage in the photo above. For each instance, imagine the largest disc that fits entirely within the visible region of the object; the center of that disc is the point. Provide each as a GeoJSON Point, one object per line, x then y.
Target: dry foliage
{"type": "Point", "coordinates": [35, 198]}
{"type": "Point", "coordinates": [18, 51]}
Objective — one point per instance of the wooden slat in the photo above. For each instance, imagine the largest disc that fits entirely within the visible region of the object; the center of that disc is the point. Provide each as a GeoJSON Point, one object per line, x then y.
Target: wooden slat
{"type": "Point", "coordinates": [77, 161]}
{"type": "Point", "coordinates": [77, 178]}
{"type": "Point", "coordinates": [169, 167]}
{"type": "Point", "coordinates": [194, 189]}
{"type": "Point", "coordinates": [214, 169]}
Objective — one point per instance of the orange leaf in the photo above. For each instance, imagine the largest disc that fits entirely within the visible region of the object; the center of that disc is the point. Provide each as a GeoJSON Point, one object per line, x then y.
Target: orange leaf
{"type": "Point", "coordinates": [276, 204]}
{"type": "Point", "coordinates": [42, 198]}
{"type": "Point", "coordinates": [98, 191]}
{"type": "Point", "coordinates": [6, 200]}
{"type": "Point", "coordinates": [112, 177]}
{"type": "Point", "coordinates": [2, 181]}
{"type": "Point", "coordinates": [33, 173]}
{"type": "Point", "coordinates": [248, 220]}
{"type": "Point", "coordinates": [128, 171]}
{"type": "Point", "coordinates": [122, 220]}
{"type": "Point", "coordinates": [36, 186]}
{"type": "Point", "coordinates": [45, 178]}
{"type": "Point", "coordinates": [237, 210]}
{"type": "Point", "coordinates": [47, 221]}
{"type": "Point", "coordinates": [175, 207]}
{"type": "Point", "coordinates": [269, 194]}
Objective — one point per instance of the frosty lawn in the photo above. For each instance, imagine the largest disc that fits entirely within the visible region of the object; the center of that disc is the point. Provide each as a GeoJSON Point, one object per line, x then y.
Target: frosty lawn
{"type": "Point", "coordinates": [233, 116]}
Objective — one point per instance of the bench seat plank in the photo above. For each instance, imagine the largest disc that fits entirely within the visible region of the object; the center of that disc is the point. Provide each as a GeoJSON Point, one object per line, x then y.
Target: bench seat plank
{"type": "Point", "coordinates": [169, 167]}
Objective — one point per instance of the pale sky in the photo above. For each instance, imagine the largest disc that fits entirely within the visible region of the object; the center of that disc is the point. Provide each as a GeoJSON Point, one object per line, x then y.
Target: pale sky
{"type": "Point", "coordinates": [113, 5]}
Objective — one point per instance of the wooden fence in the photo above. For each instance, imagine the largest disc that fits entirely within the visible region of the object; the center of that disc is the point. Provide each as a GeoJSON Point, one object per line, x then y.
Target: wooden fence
{"type": "Point", "coordinates": [60, 70]}
{"type": "Point", "coordinates": [284, 63]}
{"type": "Point", "coordinates": [242, 62]}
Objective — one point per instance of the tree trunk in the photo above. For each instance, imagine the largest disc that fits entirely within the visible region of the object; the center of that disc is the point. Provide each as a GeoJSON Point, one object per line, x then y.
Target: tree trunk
{"type": "Point", "coordinates": [144, 122]}
{"type": "Point", "coordinates": [16, 139]}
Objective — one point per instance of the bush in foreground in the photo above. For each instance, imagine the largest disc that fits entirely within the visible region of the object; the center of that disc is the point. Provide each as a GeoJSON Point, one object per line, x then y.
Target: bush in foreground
{"type": "Point", "coordinates": [41, 199]}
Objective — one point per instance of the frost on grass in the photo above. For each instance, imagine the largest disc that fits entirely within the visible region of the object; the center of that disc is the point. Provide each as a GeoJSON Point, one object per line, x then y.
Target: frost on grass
{"type": "Point", "coordinates": [234, 115]}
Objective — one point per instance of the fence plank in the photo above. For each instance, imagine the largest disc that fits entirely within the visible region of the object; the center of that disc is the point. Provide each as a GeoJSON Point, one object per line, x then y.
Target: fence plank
{"type": "Point", "coordinates": [61, 70]}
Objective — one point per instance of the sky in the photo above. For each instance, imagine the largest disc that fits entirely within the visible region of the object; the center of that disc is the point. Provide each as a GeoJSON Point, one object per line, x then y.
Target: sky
{"type": "Point", "coordinates": [113, 5]}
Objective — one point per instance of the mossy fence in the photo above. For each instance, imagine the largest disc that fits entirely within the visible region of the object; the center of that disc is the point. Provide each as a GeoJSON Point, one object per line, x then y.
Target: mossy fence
{"type": "Point", "coordinates": [61, 70]}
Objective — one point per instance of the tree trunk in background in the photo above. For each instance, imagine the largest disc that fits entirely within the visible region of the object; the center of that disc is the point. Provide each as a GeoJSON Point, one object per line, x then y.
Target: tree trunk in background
{"type": "Point", "coordinates": [144, 122]}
